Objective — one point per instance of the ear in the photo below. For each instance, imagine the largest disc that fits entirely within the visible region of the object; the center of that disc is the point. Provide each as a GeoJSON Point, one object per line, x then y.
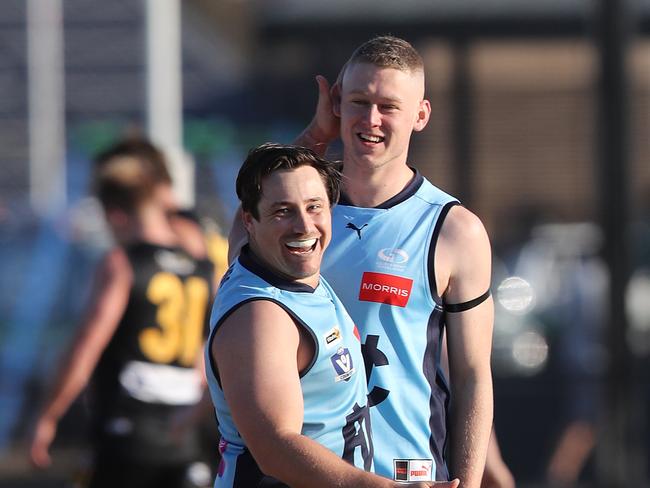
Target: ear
{"type": "Point", "coordinates": [335, 97]}
{"type": "Point", "coordinates": [247, 220]}
{"type": "Point", "coordinates": [117, 217]}
{"type": "Point", "coordinates": [335, 91]}
{"type": "Point", "coordinates": [423, 114]}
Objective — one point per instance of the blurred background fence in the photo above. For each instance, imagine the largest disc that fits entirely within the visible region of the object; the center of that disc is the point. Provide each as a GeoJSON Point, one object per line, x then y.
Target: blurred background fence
{"type": "Point", "coordinates": [540, 124]}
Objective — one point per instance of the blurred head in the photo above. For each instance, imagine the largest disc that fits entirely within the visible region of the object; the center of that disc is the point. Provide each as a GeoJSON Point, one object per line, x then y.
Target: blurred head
{"type": "Point", "coordinates": [381, 102]}
{"type": "Point", "coordinates": [286, 194]}
{"type": "Point", "coordinates": [154, 185]}
{"type": "Point", "coordinates": [153, 161]}
{"type": "Point", "coordinates": [124, 185]}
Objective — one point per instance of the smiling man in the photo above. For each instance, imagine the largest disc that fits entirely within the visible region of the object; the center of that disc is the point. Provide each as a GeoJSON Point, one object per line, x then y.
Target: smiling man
{"type": "Point", "coordinates": [285, 369]}
{"type": "Point", "coordinates": [408, 262]}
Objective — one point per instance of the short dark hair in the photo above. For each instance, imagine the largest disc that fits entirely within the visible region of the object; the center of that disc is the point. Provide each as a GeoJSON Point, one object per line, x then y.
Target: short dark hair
{"type": "Point", "coordinates": [388, 52]}
{"type": "Point", "coordinates": [268, 158]}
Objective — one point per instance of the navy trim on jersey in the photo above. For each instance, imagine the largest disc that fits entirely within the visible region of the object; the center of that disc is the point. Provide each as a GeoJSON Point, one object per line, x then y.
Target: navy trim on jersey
{"type": "Point", "coordinates": [252, 263]}
{"type": "Point", "coordinates": [295, 318]}
{"type": "Point", "coordinates": [462, 307]}
{"type": "Point", "coordinates": [248, 473]}
{"type": "Point", "coordinates": [432, 251]}
{"type": "Point", "coordinates": [409, 190]}
{"type": "Point", "coordinates": [440, 394]}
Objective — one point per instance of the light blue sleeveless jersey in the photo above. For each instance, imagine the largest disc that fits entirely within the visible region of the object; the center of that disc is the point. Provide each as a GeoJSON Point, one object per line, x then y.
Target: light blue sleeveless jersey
{"type": "Point", "coordinates": [334, 385]}
{"type": "Point", "coordinates": [380, 263]}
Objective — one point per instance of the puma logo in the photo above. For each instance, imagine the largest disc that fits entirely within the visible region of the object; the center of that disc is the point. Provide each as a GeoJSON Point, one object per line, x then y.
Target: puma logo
{"type": "Point", "coordinates": [355, 228]}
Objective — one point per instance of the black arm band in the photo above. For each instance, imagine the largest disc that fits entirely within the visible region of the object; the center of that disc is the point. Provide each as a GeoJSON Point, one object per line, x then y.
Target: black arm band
{"type": "Point", "coordinates": [461, 307]}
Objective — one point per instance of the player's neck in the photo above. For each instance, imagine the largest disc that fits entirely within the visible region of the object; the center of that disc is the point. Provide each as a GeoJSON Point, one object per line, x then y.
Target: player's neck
{"type": "Point", "coordinates": [372, 187]}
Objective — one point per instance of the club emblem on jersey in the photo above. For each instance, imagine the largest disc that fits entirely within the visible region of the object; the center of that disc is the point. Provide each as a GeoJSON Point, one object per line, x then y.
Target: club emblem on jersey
{"type": "Point", "coordinates": [392, 259]}
{"type": "Point", "coordinates": [332, 337]}
{"type": "Point", "coordinates": [350, 225]}
{"type": "Point", "coordinates": [342, 362]}
{"type": "Point", "coordinates": [385, 288]}
{"type": "Point", "coordinates": [393, 255]}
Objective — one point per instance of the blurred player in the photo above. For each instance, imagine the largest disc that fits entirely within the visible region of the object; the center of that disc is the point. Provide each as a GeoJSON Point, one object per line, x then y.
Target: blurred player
{"type": "Point", "coordinates": [184, 222]}
{"type": "Point", "coordinates": [140, 340]}
{"type": "Point", "coordinates": [285, 368]}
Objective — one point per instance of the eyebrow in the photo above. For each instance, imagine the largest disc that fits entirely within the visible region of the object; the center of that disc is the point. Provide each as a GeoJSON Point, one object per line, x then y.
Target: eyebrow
{"type": "Point", "coordinates": [383, 99]}
{"type": "Point", "coordinates": [285, 202]}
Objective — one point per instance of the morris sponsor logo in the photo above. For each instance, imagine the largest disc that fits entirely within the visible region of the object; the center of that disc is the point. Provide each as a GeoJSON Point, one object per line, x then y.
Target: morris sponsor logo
{"type": "Point", "coordinates": [385, 288]}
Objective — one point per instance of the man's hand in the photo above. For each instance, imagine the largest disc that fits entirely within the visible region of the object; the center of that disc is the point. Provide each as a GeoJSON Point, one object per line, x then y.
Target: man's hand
{"type": "Point", "coordinates": [39, 452]}
{"type": "Point", "coordinates": [324, 127]}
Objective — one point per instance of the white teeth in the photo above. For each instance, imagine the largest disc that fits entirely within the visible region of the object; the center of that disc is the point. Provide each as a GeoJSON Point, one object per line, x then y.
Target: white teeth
{"type": "Point", "coordinates": [303, 244]}
{"type": "Point", "coordinates": [370, 138]}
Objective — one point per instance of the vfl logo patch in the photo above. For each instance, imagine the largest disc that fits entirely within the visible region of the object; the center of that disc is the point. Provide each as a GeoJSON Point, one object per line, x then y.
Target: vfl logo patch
{"type": "Point", "coordinates": [342, 362]}
{"type": "Point", "coordinates": [385, 288]}
{"type": "Point", "coordinates": [412, 469]}
{"type": "Point", "coordinates": [332, 337]}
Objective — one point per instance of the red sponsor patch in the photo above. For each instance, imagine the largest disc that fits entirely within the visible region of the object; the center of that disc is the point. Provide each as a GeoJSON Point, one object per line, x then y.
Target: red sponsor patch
{"type": "Point", "coordinates": [385, 288]}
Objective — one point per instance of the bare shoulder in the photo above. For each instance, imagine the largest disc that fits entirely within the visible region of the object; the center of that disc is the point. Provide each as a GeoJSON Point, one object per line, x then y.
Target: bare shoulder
{"type": "Point", "coordinates": [113, 271]}
{"type": "Point", "coordinates": [463, 256]}
{"type": "Point", "coordinates": [261, 320]}
{"type": "Point", "coordinates": [260, 334]}
{"type": "Point", "coordinates": [462, 227]}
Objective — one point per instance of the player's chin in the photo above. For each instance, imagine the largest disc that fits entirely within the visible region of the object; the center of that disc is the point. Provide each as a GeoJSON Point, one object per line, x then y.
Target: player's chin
{"type": "Point", "coordinates": [306, 269]}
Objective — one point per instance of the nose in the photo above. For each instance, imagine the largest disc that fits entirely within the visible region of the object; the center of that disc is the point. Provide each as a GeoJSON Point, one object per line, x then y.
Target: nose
{"type": "Point", "coordinates": [303, 223]}
{"type": "Point", "coordinates": [372, 115]}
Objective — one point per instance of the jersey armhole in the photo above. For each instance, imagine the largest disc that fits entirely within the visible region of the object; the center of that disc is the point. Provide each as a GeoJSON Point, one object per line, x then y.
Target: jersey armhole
{"type": "Point", "coordinates": [431, 268]}
{"type": "Point", "coordinates": [294, 317]}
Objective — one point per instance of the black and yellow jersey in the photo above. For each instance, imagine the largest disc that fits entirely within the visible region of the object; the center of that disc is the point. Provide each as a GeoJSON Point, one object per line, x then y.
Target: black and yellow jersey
{"type": "Point", "coordinates": [148, 371]}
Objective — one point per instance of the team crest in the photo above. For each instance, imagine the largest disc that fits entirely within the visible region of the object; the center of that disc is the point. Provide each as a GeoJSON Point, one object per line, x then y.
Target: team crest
{"type": "Point", "coordinates": [392, 259]}
{"type": "Point", "coordinates": [342, 362]}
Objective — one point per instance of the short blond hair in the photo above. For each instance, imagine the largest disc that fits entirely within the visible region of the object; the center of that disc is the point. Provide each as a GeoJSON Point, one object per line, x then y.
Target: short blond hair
{"type": "Point", "coordinates": [388, 52]}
